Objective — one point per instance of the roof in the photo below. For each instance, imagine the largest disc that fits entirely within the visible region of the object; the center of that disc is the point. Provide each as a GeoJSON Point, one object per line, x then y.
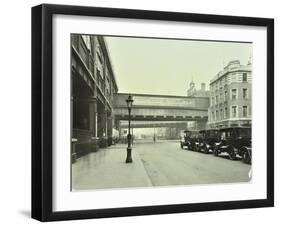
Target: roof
{"type": "Point", "coordinates": [235, 127]}
{"type": "Point", "coordinates": [191, 131]}
{"type": "Point", "coordinates": [229, 69]}
{"type": "Point", "coordinates": [211, 129]}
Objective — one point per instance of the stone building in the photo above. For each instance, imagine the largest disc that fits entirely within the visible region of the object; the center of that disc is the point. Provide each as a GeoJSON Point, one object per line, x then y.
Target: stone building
{"type": "Point", "coordinates": [193, 92]}
{"type": "Point", "coordinates": [93, 86]}
{"type": "Point", "coordinates": [230, 96]}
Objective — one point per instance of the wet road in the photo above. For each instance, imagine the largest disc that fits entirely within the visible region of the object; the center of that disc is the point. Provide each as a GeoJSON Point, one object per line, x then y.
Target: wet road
{"type": "Point", "coordinates": [167, 164]}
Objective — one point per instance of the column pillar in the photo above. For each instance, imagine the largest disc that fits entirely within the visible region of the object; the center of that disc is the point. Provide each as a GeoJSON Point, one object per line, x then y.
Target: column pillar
{"type": "Point", "coordinates": [105, 128]}
{"type": "Point", "coordinates": [93, 122]}
{"type": "Point", "coordinates": [104, 138]}
{"type": "Point", "coordinates": [73, 140]}
{"type": "Point", "coordinates": [105, 122]}
{"type": "Point", "coordinates": [109, 130]}
{"type": "Point", "coordinates": [91, 117]}
{"type": "Point", "coordinates": [118, 128]}
{"type": "Point", "coordinates": [96, 122]}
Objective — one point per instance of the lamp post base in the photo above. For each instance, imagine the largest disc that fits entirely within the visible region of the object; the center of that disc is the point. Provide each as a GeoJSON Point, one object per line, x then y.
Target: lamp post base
{"type": "Point", "coordinates": [129, 155]}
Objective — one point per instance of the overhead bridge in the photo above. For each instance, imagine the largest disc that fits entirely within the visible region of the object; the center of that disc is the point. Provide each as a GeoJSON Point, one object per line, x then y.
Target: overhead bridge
{"type": "Point", "coordinates": [161, 108]}
{"type": "Point", "coordinates": [150, 124]}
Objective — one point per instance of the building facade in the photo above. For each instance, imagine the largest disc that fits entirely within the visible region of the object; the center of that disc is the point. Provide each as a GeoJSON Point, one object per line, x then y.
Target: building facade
{"type": "Point", "coordinates": [193, 92]}
{"type": "Point", "coordinates": [93, 86]}
{"type": "Point", "coordinates": [230, 96]}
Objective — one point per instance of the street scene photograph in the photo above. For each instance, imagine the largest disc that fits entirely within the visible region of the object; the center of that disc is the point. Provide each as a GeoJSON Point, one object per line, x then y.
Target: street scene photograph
{"type": "Point", "coordinates": [149, 112]}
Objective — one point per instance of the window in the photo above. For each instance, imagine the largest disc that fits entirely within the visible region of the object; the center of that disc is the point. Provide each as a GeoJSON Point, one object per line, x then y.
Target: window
{"type": "Point", "coordinates": [217, 115]}
{"type": "Point", "coordinates": [245, 132]}
{"type": "Point", "coordinates": [225, 112]}
{"type": "Point", "coordinates": [99, 54]}
{"type": "Point", "coordinates": [213, 116]}
{"type": "Point", "coordinates": [216, 99]}
{"type": "Point", "coordinates": [233, 77]}
{"type": "Point", "coordinates": [221, 114]}
{"type": "Point", "coordinates": [86, 39]}
{"type": "Point", "coordinates": [244, 75]}
{"type": "Point", "coordinates": [98, 77]}
{"type": "Point", "coordinates": [225, 95]}
{"type": "Point", "coordinates": [245, 111]}
{"type": "Point", "coordinates": [234, 94]}
{"type": "Point", "coordinates": [234, 111]}
{"type": "Point", "coordinates": [245, 93]}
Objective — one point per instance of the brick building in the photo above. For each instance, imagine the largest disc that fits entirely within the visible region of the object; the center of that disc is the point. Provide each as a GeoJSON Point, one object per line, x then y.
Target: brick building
{"type": "Point", "coordinates": [230, 96]}
{"type": "Point", "coordinates": [93, 86]}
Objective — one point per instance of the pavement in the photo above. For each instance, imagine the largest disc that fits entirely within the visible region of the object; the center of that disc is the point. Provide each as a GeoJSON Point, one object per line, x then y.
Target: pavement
{"type": "Point", "coordinates": [107, 169]}
{"type": "Point", "coordinates": [162, 163]}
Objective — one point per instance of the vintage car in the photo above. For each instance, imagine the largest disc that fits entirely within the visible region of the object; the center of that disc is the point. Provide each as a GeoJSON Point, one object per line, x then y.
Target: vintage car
{"type": "Point", "coordinates": [208, 140]}
{"type": "Point", "coordinates": [235, 141]}
{"type": "Point", "coordinates": [188, 139]}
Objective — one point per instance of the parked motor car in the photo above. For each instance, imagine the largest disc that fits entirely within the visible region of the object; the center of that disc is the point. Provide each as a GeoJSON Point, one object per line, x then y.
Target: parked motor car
{"type": "Point", "coordinates": [194, 140]}
{"type": "Point", "coordinates": [235, 141]}
{"type": "Point", "coordinates": [188, 139]}
{"type": "Point", "coordinates": [184, 141]}
{"type": "Point", "coordinates": [197, 141]}
{"type": "Point", "coordinates": [208, 140]}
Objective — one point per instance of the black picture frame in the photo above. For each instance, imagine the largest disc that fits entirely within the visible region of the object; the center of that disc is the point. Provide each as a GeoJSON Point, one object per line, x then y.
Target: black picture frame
{"type": "Point", "coordinates": [42, 108]}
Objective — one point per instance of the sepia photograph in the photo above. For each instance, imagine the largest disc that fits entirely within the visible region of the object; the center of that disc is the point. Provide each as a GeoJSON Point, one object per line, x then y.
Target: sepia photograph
{"type": "Point", "coordinates": [141, 112]}
{"type": "Point", "coordinates": [154, 112]}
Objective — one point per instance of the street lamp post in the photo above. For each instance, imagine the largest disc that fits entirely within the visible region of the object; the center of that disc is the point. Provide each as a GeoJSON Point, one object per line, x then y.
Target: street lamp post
{"type": "Point", "coordinates": [129, 102]}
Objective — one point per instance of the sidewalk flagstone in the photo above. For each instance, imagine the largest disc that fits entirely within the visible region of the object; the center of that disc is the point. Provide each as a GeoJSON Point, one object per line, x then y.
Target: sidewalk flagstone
{"type": "Point", "coordinates": [107, 169]}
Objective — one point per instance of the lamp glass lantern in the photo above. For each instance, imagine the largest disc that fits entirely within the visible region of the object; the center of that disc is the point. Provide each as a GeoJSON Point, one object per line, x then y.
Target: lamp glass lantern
{"type": "Point", "coordinates": [130, 102]}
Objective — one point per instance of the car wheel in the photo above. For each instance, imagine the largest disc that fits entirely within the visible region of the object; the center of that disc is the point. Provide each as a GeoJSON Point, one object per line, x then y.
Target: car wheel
{"type": "Point", "coordinates": [206, 150]}
{"type": "Point", "coordinates": [181, 145]}
{"type": "Point", "coordinates": [195, 148]}
{"type": "Point", "coordinates": [216, 152]}
{"type": "Point", "coordinates": [246, 158]}
{"type": "Point", "coordinates": [231, 153]}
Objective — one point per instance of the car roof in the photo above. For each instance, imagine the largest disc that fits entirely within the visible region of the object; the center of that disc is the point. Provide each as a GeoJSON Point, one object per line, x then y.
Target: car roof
{"type": "Point", "coordinates": [236, 127]}
{"type": "Point", "coordinates": [192, 131]}
{"type": "Point", "coordinates": [203, 130]}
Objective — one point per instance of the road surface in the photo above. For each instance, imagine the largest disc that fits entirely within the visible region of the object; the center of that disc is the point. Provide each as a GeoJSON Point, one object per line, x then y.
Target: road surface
{"type": "Point", "coordinates": [167, 164]}
{"type": "Point", "coordinates": [160, 163]}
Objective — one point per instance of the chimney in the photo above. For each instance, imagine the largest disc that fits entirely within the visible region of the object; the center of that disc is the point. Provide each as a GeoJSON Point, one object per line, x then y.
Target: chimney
{"type": "Point", "coordinates": [203, 86]}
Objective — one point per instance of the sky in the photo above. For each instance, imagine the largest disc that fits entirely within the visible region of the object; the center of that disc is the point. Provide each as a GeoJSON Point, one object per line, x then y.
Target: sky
{"type": "Point", "coordinates": [166, 67]}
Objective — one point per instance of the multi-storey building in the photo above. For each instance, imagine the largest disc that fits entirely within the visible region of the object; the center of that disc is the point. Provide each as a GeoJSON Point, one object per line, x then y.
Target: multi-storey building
{"type": "Point", "coordinates": [193, 92]}
{"type": "Point", "coordinates": [93, 86]}
{"type": "Point", "coordinates": [230, 96]}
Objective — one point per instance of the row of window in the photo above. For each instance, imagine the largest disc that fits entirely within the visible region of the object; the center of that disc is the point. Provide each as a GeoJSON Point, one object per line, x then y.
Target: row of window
{"type": "Point", "coordinates": [223, 81]}
{"type": "Point", "coordinates": [234, 96]}
{"type": "Point", "coordinates": [104, 84]}
{"type": "Point", "coordinates": [223, 113]}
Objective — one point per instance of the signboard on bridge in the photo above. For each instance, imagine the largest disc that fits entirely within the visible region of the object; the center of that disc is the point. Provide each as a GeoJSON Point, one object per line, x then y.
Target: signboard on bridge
{"type": "Point", "coordinates": [164, 101]}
